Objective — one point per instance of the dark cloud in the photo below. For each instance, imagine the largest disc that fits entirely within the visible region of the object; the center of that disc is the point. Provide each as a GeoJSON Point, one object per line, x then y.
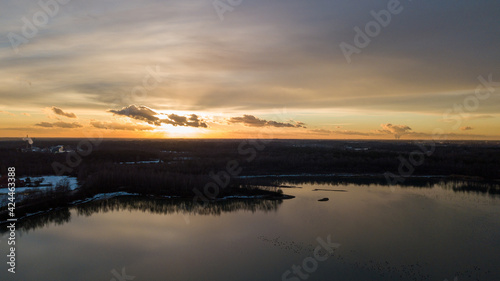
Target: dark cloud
{"type": "Point", "coordinates": [59, 111]}
{"type": "Point", "coordinates": [142, 113]}
{"type": "Point", "coordinates": [248, 120]}
{"type": "Point", "coordinates": [252, 121]}
{"type": "Point", "coordinates": [45, 124]}
{"type": "Point", "coordinates": [300, 124]}
{"type": "Point", "coordinates": [466, 128]}
{"type": "Point", "coordinates": [59, 125]}
{"type": "Point", "coordinates": [177, 120]}
{"type": "Point", "coordinates": [148, 115]}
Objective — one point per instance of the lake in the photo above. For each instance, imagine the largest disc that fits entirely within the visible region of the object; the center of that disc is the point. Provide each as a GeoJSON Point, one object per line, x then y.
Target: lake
{"type": "Point", "coordinates": [363, 232]}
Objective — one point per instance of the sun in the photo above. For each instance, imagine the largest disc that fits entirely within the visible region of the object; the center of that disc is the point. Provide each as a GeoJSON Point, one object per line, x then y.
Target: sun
{"type": "Point", "coordinates": [180, 131]}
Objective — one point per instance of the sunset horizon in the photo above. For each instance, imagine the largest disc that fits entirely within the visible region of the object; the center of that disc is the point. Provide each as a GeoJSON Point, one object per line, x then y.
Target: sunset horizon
{"type": "Point", "coordinates": [243, 140]}
{"type": "Point", "coordinates": [327, 70]}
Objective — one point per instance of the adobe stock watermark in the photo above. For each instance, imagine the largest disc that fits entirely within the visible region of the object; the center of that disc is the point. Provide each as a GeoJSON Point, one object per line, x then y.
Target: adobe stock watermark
{"type": "Point", "coordinates": [248, 149]}
{"type": "Point", "coordinates": [310, 264]}
{"type": "Point", "coordinates": [363, 38]}
{"type": "Point", "coordinates": [48, 10]}
{"type": "Point", "coordinates": [221, 179]}
{"type": "Point", "coordinates": [150, 81]}
{"type": "Point", "coordinates": [471, 103]}
{"type": "Point", "coordinates": [121, 277]}
{"type": "Point", "coordinates": [83, 149]}
{"type": "Point", "coordinates": [223, 6]}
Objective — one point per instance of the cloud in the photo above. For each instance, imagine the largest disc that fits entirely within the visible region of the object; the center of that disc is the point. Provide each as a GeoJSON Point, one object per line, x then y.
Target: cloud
{"type": "Point", "coordinates": [252, 121]}
{"type": "Point", "coordinates": [120, 126]}
{"type": "Point", "coordinates": [142, 113]}
{"type": "Point", "coordinates": [146, 114]}
{"type": "Point", "coordinates": [59, 111]}
{"type": "Point", "coordinates": [481, 116]}
{"type": "Point", "coordinates": [300, 124]}
{"type": "Point", "coordinates": [322, 131]}
{"type": "Point", "coordinates": [343, 132]}
{"type": "Point", "coordinates": [467, 116]}
{"type": "Point", "coordinates": [402, 130]}
{"type": "Point", "coordinates": [26, 114]}
{"type": "Point", "coordinates": [396, 130]}
{"type": "Point", "coordinates": [6, 112]}
{"type": "Point", "coordinates": [59, 125]}
{"type": "Point", "coordinates": [45, 125]}
{"type": "Point", "coordinates": [387, 129]}
{"type": "Point", "coordinates": [242, 66]}
{"type": "Point", "coordinates": [177, 120]}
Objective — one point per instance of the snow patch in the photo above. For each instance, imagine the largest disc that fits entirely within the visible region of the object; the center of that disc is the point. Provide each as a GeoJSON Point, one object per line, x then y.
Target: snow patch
{"type": "Point", "coordinates": [52, 180]}
{"type": "Point", "coordinates": [140, 162]}
{"type": "Point", "coordinates": [102, 196]}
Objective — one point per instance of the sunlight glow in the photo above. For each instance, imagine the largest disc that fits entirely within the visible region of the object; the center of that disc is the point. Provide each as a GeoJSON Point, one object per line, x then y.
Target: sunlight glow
{"type": "Point", "coordinates": [180, 131]}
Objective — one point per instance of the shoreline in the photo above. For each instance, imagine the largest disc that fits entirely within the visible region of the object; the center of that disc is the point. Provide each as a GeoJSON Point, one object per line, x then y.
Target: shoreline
{"type": "Point", "coordinates": [274, 196]}
{"type": "Point", "coordinates": [106, 196]}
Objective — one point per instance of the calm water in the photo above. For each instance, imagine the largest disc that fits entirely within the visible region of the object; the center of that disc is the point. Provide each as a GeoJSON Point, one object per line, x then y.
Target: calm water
{"type": "Point", "coordinates": [384, 234]}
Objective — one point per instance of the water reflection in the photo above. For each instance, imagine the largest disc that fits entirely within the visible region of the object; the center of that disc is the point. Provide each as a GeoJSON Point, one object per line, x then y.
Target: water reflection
{"type": "Point", "coordinates": [145, 204]}
{"type": "Point", "coordinates": [405, 234]}
{"type": "Point", "coordinates": [472, 187]}
{"type": "Point", "coordinates": [56, 217]}
{"type": "Point", "coordinates": [171, 206]}
{"type": "Point", "coordinates": [484, 187]}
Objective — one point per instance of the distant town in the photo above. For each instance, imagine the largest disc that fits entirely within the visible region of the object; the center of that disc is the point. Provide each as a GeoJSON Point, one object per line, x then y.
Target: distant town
{"type": "Point", "coordinates": [30, 147]}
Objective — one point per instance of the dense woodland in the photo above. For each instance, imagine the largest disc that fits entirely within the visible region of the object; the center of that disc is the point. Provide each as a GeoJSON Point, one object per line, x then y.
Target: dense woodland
{"type": "Point", "coordinates": [258, 157]}
{"type": "Point", "coordinates": [245, 167]}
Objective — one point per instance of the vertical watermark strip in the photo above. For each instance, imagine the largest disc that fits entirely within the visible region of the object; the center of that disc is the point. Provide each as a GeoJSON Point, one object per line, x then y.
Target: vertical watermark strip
{"type": "Point", "coordinates": [11, 227]}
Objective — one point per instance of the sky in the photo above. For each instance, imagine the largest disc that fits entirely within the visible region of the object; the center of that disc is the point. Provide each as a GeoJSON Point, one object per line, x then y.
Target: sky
{"type": "Point", "coordinates": [321, 69]}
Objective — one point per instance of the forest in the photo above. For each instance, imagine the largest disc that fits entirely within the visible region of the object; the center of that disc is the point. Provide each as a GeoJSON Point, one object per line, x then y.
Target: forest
{"type": "Point", "coordinates": [210, 169]}
{"type": "Point", "coordinates": [478, 159]}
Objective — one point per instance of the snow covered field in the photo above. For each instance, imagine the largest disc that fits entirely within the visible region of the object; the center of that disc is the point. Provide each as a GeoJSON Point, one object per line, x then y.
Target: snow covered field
{"type": "Point", "coordinates": [53, 180]}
